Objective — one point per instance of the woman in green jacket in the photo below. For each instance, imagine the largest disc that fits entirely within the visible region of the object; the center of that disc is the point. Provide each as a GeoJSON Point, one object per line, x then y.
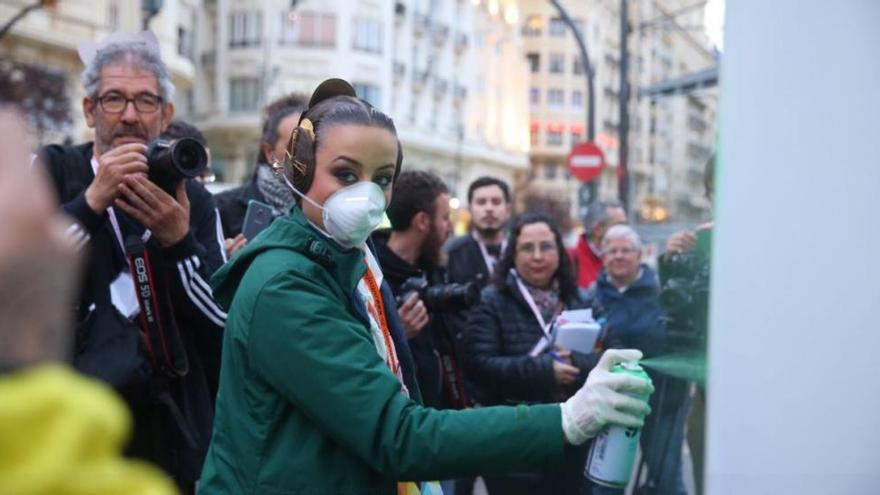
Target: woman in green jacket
{"type": "Point", "coordinates": [316, 395]}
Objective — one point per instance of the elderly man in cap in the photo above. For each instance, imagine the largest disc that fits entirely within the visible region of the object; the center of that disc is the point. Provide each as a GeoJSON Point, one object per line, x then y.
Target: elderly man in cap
{"type": "Point", "coordinates": [146, 320]}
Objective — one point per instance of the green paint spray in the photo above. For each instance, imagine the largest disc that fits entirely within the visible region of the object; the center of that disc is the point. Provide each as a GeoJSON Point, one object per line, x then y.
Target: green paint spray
{"type": "Point", "coordinates": [689, 366]}
{"type": "Point", "coordinates": [613, 452]}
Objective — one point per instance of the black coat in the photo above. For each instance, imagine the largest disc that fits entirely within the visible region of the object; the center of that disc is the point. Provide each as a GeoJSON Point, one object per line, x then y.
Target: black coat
{"type": "Point", "coordinates": [423, 346]}
{"type": "Point", "coordinates": [172, 418]}
{"type": "Point", "coordinates": [500, 333]}
{"type": "Point", "coordinates": [232, 205]}
{"type": "Point", "coordinates": [465, 262]}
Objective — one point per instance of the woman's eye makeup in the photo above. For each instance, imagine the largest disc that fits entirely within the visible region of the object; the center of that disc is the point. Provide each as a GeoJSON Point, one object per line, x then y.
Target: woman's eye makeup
{"type": "Point", "coordinates": [384, 180]}
{"type": "Point", "coordinates": [345, 176]}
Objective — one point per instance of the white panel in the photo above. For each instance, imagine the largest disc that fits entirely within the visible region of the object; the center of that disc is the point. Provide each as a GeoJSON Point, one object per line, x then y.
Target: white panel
{"type": "Point", "coordinates": [794, 397]}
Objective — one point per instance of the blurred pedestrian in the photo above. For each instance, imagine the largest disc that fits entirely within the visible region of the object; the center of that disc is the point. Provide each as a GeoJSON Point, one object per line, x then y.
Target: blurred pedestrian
{"type": "Point", "coordinates": [586, 257]}
{"type": "Point", "coordinates": [532, 286]}
{"type": "Point", "coordinates": [628, 292]}
{"type": "Point", "coordinates": [59, 432]}
{"type": "Point", "coordinates": [279, 119]}
{"type": "Point", "coordinates": [147, 322]}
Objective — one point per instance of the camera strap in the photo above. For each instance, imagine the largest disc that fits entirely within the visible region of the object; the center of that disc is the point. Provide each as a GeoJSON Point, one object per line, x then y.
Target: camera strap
{"type": "Point", "coordinates": [489, 260]}
{"type": "Point", "coordinates": [158, 328]}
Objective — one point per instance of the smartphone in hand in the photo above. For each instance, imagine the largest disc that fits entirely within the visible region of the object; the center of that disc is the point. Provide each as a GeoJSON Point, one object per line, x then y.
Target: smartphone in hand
{"type": "Point", "coordinates": [258, 217]}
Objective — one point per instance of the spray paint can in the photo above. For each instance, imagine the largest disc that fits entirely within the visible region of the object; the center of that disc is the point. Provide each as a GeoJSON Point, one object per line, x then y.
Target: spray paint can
{"type": "Point", "coordinates": [613, 452]}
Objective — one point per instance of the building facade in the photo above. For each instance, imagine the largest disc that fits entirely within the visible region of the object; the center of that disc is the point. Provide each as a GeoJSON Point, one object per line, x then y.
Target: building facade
{"type": "Point", "coordinates": [449, 72]}
{"type": "Point", "coordinates": [48, 38]}
{"type": "Point", "coordinates": [667, 148]}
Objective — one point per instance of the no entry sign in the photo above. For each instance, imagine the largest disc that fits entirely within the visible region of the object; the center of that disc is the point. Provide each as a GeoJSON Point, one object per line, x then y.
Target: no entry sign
{"type": "Point", "coordinates": [586, 162]}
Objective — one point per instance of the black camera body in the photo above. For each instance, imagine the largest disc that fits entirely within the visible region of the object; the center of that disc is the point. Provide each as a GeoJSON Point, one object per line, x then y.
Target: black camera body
{"type": "Point", "coordinates": [441, 297]}
{"type": "Point", "coordinates": [169, 163]}
{"type": "Point", "coordinates": [685, 297]}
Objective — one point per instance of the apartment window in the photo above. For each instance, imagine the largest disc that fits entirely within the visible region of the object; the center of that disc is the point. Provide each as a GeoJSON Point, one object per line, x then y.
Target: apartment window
{"type": "Point", "coordinates": [576, 137]}
{"type": "Point", "coordinates": [557, 63]}
{"type": "Point", "coordinates": [244, 94]}
{"type": "Point", "coordinates": [550, 170]}
{"type": "Point", "coordinates": [535, 96]}
{"type": "Point", "coordinates": [555, 97]}
{"type": "Point", "coordinates": [185, 42]}
{"type": "Point", "coordinates": [317, 30]}
{"type": "Point", "coordinates": [554, 138]}
{"type": "Point", "coordinates": [367, 36]}
{"type": "Point", "coordinates": [245, 29]}
{"type": "Point", "coordinates": [289, 29]}
{"type": "Point", "coordinates": [577, 67]}
{"type": "Point", "coordinates": [533, 24]}
{"type": "Point", "coordinates": [368, 92]}
{"type": "Point", "coordinates": [534, 62]}
{"type": "Point", "coordinates": [534, 136]}
{"type": "Point", "coordinates": [557, 27]}
{"type": "Point", "coordinates": [113, 17]}
{"type": "Point", "coordinates": [577, 99]}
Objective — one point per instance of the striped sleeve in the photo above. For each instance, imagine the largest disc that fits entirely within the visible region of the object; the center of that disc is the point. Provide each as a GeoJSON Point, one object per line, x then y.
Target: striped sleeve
{"type": "Point", "coordinates": [198, 291]}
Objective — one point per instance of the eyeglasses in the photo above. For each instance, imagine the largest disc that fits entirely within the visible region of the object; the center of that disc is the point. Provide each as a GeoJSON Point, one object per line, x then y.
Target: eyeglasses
{"type": "Point", "coordinates": [530, 248]}
{"type": "Point", "coordinates": [114, 102]}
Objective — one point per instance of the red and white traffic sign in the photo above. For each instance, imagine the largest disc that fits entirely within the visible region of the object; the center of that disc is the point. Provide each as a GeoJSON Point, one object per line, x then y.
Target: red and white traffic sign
{"type": "Point", "coordinates": [586, 161]}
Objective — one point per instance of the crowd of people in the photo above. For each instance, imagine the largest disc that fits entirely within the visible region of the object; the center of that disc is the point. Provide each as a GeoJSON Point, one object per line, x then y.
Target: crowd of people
{"type": "Point", "coordinates": [324, 355]}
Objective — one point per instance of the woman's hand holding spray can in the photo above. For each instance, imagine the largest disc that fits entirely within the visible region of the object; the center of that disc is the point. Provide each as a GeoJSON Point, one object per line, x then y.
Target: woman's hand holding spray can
{"type": "Point", "coordinates": [612, 403]}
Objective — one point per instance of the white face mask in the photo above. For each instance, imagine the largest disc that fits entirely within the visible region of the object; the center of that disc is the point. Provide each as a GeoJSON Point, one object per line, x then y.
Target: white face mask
{"type": "Point", "coordinates": [351, 213]}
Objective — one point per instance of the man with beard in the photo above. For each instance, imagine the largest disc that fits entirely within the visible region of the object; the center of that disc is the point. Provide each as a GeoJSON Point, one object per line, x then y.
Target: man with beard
{"type": "Point", "coordinates": [149, 254]}
{"type": "Point", "coordinates": [419, 215]}
{"type": "Point", "coordinates": [472, 257]}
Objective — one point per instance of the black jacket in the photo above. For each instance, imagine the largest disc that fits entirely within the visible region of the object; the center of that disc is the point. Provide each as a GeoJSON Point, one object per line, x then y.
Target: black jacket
{"type": "Point", "coordinates": [465, 261]}
{"type": "Point", "coordinates": [172, 416]}
{"type": "Point", "coordinates": [232, 205]}
{"type": "Point", "coordinates": [501, 331]}
{"type": "Point", "coordinates": [423, 346]}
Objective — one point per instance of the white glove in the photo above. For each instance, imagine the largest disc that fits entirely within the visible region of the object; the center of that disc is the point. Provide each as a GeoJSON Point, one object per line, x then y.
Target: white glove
{"type": "Point", "coordinates": [606, 398]}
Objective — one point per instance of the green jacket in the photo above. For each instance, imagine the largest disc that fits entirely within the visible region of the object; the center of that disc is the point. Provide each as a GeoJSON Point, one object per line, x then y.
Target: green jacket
{"type": "Point", "coordinates": [307, 406]}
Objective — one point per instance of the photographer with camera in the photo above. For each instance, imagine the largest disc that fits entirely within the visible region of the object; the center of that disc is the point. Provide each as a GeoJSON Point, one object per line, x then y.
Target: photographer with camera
{"type": "Point", "coordinates": [410, 258]}
{"type": "Point", "coordinates": [147, 322]}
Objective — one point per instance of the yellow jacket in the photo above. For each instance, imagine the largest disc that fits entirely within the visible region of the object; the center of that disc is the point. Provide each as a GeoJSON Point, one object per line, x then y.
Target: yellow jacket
{"type": "Point", "coordinates": [62, 434]}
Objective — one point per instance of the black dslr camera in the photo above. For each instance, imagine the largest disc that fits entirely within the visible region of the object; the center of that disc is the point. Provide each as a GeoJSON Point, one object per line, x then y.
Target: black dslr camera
{"type": "Point", "coordinates": [441, 297]}
{"type": "Point", "coordinates": [685, 297]}
{"type": "Point", "coordinates": [171, 163]}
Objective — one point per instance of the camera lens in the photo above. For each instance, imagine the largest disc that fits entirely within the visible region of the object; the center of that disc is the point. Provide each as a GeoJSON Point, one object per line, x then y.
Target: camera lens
{"type": "Point", "coordinates": [189, 157]}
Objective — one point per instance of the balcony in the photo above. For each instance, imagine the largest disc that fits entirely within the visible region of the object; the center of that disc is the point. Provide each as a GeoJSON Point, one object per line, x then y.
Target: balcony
{"type": "Point", "coordinates": [421, 23]}
{"type": "Point", "coordinates": [461, 43]}
{"type": "Point", "coordinates": [399, 71]}
{"type": "Point", "coordinates": [440, 88]}
{"type": "Point", "coordinates": [419, 79]}
{"type": "Point", "coordinates": [208, 58]}
{"type": "Point", "coordinates": [460, 92]}
{"type": "Point", "coordinates": [439, 33]}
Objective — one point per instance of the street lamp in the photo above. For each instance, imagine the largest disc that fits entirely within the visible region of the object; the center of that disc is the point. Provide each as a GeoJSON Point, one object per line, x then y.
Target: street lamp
{"type": "Point", "coordinates": [587, 196]}
{"type": "Point", "coordinates": [47, 4]}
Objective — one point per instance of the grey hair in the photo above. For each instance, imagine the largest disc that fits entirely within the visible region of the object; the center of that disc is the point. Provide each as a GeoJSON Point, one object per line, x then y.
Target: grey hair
{"type": "Point", "coordinates": [599, 214]}
{"type": "Point", "coordinates": [136, 52]}
{"type": "Point", "coordinates": [623, 232]}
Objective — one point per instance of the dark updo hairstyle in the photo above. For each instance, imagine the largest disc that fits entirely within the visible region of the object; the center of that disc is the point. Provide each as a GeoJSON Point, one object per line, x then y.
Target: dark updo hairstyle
{"type": "Point", "coordinates": [333, 103]}
{"type": "Point", "coordinates": [567, 286]}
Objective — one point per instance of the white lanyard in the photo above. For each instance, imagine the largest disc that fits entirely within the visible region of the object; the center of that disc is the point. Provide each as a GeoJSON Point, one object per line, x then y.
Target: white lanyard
{"type": "Point", "coordinates": [112, 214]}
{"type": "Point", "coordinates": [545, 327]}
{"type": "Point", "coordinates": [489, 260]}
